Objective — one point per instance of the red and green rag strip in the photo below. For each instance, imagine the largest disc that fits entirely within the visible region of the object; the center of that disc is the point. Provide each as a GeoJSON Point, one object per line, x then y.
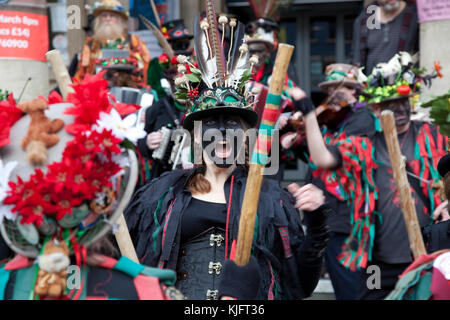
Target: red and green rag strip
{"type": "Point", "coordinates": [269, 119]}
{"type": "Point", "coordinates": [145, 168]}
{"type": "Point", "coordinates": [354, 182]}
{"type": "Point", "coordinates": [428, 150]}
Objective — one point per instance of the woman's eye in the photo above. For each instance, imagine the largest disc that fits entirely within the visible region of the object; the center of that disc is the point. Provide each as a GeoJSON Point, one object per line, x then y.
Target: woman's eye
{"type": "Point", "coordinates": [232, 122]}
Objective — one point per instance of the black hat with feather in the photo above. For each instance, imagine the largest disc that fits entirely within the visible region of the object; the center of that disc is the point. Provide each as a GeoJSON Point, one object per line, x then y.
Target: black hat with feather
{"type": "Point", "coordinates": [218, 83]}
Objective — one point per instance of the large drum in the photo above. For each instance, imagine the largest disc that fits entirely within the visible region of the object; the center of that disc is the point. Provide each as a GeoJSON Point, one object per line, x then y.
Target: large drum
{"type": "Point", "coordinates": [25, 239]}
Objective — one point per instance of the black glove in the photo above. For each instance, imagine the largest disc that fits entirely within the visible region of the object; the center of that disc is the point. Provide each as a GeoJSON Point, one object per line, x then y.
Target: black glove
{"type": "Point", "coordinates": [317, 233]}
{"type": "Point", "coordinates": [238, 282]}
{"type": "Point", "coordinates": [304, 105]}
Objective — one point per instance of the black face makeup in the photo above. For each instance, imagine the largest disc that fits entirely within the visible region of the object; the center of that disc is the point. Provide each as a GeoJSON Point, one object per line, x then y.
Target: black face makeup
{"type": "Point", "coordinates": [221, 139]}
{"type": "Point", "coordinates": [401, 110]}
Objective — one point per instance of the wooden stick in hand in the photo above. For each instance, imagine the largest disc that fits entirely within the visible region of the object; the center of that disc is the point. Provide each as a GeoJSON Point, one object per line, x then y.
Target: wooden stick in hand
{"type": "Point", "coordinates": [259, 157]}
{"type": "Point", "coordinates": [401, 180]}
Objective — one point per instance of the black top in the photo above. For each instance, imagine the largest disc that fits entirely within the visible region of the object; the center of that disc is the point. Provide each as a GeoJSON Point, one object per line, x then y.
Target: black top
{"type": "Point", "coordinates": [368, 37]}
{"type": "Point", "coordinates": [200, 216]}
{"type": "Point", "coordinates": [154, 218]}
{"type": "Point", "coordinates": [156, 117]}
{"type": "Point", "coordinates": [382, 43]}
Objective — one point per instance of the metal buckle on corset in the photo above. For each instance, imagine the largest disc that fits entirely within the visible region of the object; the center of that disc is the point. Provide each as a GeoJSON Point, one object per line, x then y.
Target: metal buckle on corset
{"type": "Point", "coordinates": [217, 238]}
{"type": "Point", "coordinates": [212, 294]}
{"type": "Point", "coordinates": [215, 267]}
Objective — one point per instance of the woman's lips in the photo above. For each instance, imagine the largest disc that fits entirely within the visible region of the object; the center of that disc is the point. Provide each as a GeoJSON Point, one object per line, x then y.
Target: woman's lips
{"type": "Point", "coordinates": [223, 149]}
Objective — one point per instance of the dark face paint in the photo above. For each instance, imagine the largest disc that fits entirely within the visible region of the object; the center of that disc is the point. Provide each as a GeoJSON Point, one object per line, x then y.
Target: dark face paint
{"type": "Point", "coordinates": [222, 127]}
{"type": "Point", "coordinates": [401, 109]}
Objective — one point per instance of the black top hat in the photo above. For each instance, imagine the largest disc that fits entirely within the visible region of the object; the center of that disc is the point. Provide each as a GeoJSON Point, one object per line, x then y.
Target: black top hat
{"type": "Point", "coordinates": [175, 30]}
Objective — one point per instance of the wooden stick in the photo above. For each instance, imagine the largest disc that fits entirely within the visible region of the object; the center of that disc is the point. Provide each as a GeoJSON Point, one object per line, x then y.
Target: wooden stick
{"type": "Point", "coordinates": [255, 177]}
{"type": "Point", "coordinates": [398, 167]}
{"type": "Point", "coordinates": [61, 74]}
{"type": "Point", "coordinates": [124, 240]}
{"type": "Point", "coordinates": [155, 13]}
{"type": "Point", "coordinates": [122, 234]}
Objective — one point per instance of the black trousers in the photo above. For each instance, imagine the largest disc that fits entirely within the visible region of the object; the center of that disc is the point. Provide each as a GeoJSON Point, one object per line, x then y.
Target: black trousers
{"type": "Point", "coordinates": [345, 282]}
{"type": "Point", "coordinates": [388, 277]}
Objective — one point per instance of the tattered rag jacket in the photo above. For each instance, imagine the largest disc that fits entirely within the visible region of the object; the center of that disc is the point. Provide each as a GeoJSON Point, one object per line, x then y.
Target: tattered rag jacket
{"type": "Point", "coordinates": [290, 261]}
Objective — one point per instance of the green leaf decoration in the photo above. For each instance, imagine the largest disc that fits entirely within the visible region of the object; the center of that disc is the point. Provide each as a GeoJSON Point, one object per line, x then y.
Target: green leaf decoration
{"type": "Point", "coordinates": [245, 78]}
{"type": "Point", "coordinates": [193, 78]}
{"type": "Point", "coordinates": [440, 112]}
{"type": "Point", "coordinates": [182, 95]}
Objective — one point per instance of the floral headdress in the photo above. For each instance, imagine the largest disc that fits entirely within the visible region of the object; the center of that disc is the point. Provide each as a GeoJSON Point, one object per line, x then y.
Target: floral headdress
{"type": "Point", "coordinates": [396, 79]}
{"type": "Point", "coordinates": [218, 85]}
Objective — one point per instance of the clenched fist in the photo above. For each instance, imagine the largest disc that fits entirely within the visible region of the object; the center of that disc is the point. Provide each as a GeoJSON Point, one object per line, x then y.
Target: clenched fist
{"type": "Point", "coordinates": [308, 197]}
{"type": "Point", "coordinates": [441, 214]}
{"type": "Point", "coordinates": [154, 140]}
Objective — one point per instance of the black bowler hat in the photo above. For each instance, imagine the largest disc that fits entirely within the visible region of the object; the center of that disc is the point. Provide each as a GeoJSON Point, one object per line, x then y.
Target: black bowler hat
{"type": "Point", "coordinates": [444, 165]}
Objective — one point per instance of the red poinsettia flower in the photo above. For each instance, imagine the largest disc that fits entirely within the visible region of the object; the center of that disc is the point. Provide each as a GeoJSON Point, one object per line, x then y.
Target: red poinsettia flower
{"type": "Point", "coordinates": [59, 175]}
{"type": "Point", "coordinates": [53, 98]}
{"type": "Point", "coordinates": [9, 115]}
{"type": "Point", "coordinates": [84, 146]}
{"type": "Point", "coordinates": [22, 190]}
{"type": "Point", "coordinates": [125, 109]}
{"type": "Point", "coordinates": [89, 99]}
{"type": "Point", "coordinates": [64, 202]}
{"type": "Point", "coordinates": [108, 142]}
{"type": "Point", "coordinates": [80, 183]}
{"type": "Point", "coordinates": [35, 210]}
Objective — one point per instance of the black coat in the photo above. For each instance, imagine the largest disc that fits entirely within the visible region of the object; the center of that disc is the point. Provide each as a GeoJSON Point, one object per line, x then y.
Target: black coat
{"type": "Point", "coordinates": [154, 214]}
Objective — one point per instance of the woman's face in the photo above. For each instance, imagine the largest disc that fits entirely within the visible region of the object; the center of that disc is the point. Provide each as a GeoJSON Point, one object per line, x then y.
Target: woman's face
{"type": "Point", "coordinates": [222, 138]}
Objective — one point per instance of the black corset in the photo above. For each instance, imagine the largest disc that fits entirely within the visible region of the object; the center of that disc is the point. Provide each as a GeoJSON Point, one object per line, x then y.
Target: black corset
{"type": "Point", "coordinates": [200, 265]}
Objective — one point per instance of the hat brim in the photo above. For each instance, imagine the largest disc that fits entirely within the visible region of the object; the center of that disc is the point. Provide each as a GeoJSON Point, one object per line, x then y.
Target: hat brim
{"type": "Point", "coordinates": [183, 37]}
{"type": "Point", "coordinates": [98, 11]}
{"type": "Point", "coordinates": [392, 99]}
{"type": "Point", "coordinates": [326, 84]}
{"type": "Point", "coordinates": [120, 67]}
{"type": "Point", "coordinates": [248, 115]}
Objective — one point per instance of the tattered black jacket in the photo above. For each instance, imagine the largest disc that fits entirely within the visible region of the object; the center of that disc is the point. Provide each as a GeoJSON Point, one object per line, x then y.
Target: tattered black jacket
{"type": "Point", "coordinates": [290, 262]}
